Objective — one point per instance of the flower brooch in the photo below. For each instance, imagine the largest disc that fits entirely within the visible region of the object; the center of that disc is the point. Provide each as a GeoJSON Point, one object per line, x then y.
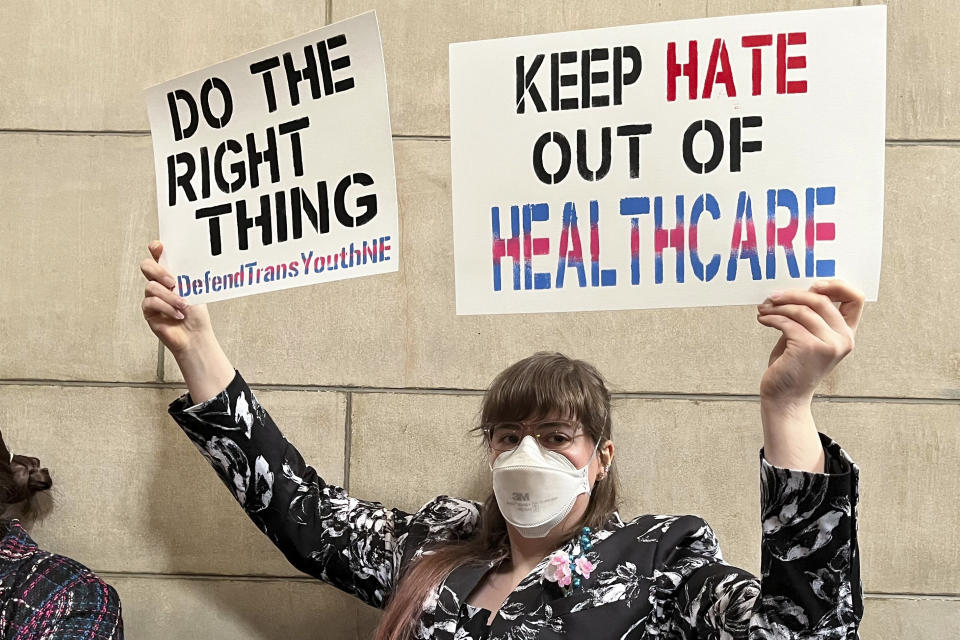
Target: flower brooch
{"type": "Point", "coordinates": [566, 570]}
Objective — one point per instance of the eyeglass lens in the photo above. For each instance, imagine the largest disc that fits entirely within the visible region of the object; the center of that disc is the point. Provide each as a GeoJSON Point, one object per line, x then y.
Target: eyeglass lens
{"type": "Point", "coordinates": [554, 436]}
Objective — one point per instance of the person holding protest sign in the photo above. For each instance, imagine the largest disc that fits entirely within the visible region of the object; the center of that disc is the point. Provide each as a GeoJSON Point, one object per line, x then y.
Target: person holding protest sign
{"type": "Point", "coordinates": [547, 555]}
{"type": "Point", "coordinates": [43, 595]}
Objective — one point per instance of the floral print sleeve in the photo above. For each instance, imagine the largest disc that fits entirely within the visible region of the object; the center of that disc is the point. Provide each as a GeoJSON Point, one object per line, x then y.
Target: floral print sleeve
{"type": "Point", "coordinates": [810, 577]}
{"type": "Point", "coordinates": [354, 545]}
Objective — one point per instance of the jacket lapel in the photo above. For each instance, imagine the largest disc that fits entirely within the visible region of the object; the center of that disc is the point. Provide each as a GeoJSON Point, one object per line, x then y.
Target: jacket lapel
{"type": "Point", "coordinates": [530, 606]}
{"type": "Point", "coordinates": [453, 594]}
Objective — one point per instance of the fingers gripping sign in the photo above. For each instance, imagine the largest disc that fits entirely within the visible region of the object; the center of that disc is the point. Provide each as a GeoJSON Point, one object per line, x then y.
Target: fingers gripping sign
{"type": "Point", "coordinates": [184, 329]}
{"type": "Point", "coordinates": [816, 335]}
{"type": "Point", "coordinates": [168, 315]}
{"type": "Point", "coordinates": [158, 292]}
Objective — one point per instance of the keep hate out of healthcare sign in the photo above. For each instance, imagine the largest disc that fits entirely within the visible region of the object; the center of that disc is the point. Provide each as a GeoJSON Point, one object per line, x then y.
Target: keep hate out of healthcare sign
{"type": "Point", "coordinates": [703, 162]}
{"type": "Point", "coordinates": [275, 169]}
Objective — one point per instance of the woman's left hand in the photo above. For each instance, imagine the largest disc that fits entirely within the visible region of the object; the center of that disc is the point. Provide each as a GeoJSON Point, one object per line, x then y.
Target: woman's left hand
{"type": "Point", "coordinates": [816, 336]}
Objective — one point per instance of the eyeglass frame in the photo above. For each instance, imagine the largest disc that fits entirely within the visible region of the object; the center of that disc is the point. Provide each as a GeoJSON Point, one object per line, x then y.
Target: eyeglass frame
{"type": "Point", "coordinates": [527, 425]}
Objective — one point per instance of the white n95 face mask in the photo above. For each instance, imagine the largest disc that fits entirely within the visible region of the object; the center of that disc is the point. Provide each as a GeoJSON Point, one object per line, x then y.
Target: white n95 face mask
{"type": "Point", "coordinates": [536, 489]}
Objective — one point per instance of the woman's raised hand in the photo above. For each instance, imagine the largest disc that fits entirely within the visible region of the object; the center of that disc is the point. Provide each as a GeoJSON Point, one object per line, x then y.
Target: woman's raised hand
{"type": "Point", "coordinates": [815, 336]}
{"type": "Point", "coordinates": [185, 330]}
{"type": "Point", "coordinates": [176, 323]}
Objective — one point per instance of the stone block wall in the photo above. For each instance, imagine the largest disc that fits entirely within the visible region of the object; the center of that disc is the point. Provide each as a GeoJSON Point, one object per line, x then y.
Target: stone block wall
{"type": "Point", "coordinates": [377, 380]}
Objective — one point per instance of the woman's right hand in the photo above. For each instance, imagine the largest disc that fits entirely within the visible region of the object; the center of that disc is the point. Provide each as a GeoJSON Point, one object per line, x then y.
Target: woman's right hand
{"type": "Point", "coordinates": [179, 325]}
{"type": "Point", "coordinates": [185, 330]}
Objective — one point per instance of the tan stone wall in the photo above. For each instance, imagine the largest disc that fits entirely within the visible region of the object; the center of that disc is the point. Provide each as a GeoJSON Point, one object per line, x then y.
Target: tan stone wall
{"type": "Point", "coordinates": [372, 374]}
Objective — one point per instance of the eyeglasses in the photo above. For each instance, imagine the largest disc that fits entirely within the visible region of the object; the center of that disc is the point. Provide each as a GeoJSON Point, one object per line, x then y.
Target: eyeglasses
{"type": "Point", "coordinates": [553, 435]}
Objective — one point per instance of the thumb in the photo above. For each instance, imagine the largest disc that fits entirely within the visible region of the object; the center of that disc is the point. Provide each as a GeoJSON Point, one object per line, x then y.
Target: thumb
{"type": "Point", "coordinates": [778, 350]}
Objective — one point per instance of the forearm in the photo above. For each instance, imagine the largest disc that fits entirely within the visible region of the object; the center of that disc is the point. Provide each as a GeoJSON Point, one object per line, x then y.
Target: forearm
{"type": "Point", "coordinates": [345, 542]}
{"type": "Point", "coordinates": [809, 585]}
{"type": "Point", "coordinates": [790, 438]}
{"type": "Point", "coordinates": [810, 558]}
{"type": "Point", "coordinates": [265, 473]}
{"type": "Point", "coordinates": [205, 368]}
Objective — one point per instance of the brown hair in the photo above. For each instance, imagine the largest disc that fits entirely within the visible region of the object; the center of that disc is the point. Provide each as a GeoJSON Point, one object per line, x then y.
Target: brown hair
{"type": "Point", "coordinates": [22, 482]}
{"type": "Point", "coordinates": [533, 388]}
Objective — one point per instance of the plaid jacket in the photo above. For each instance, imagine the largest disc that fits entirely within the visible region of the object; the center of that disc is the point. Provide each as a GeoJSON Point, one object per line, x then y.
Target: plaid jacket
{"type": "Point", "coordinates": [44, 596]}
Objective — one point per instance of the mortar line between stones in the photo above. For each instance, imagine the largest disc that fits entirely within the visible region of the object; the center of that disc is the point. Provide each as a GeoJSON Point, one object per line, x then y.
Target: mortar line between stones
{"type": "Point", "coordinates": [347, 441]}
{"type": "Point", "coordinates": [81, 132]}
{"type": "Point", "coordinates": [143, 132]}
{"type": "Point", "coordinates": [421, 136]}
{"type": "Point", "coordinates": [328, 10]}
{"type": "Point", "coordinates": [620, 395]}
{"type": "Point", "coordinates": [733, 397]}
{"type": "Point", "coordinates": [204, 576]}
{"type": "Point", "coordinates": [874, 595]}
{"type": "Point", "coordinates": [146, 132]}
{"type": "Point", "coordinates": [922, 142]}
{"type": "Point", "coordinates": [894, 142]}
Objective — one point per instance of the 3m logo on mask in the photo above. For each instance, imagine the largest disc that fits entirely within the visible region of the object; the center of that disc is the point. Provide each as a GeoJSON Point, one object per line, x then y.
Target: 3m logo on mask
{"type": "Point", "coordinates": [521, 497]}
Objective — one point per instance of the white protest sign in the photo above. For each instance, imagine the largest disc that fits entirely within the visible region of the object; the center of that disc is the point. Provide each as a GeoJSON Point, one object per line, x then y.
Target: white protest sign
{"type": "Point", "coordinates": [703, 162]}
{"type": "Point", "coordinates": [275, 169]}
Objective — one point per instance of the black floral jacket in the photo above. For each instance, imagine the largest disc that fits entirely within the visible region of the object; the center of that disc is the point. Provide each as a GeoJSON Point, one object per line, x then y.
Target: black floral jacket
{"type": "Point", "coordinates": [655, 576]}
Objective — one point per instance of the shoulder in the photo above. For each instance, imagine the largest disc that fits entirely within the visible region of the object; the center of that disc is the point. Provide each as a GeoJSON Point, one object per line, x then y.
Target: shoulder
{"type": "Point", "coordinates": [65, 576]}
{"type": "Point", "coordinates": [682, 555]}
{"type": "Point", "coordinates": [49, 591]}
{"type": "Point", "coordinates": [657, 541]}
{"type": "Point", "coordinates": [669, 529]}
{"type": "Point", "coordinates": [457, 516]}
{"type": "Point", "coordinates": [38, 576]}
{"type": "Point", "coordinates": [442, 520]}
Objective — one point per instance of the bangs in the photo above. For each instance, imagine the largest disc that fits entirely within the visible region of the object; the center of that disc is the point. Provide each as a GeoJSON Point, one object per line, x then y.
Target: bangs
{"type": "Point", "coordinates": [548, 384]}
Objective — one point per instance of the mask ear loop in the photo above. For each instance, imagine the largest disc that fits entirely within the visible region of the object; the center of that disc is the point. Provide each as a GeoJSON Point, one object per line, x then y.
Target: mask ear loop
{"type": "Point", "coordinates": [584, 470]}
{"type": "Point", "coordinates": [596, 448]}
